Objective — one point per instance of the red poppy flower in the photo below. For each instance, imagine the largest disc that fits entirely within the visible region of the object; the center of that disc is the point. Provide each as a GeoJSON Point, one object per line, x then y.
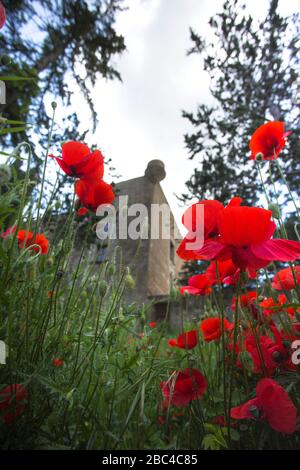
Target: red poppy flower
{"type": "Point", "coordinates": [183, 387]}
{"type": "Point", "coordinates": [246, 300]}
{"type": "Point", "coordinates": [2, 16]}
{"type": "Point", "coordinates": [270, 306]}
{"type": "Point", "coordinates": [198, 285]}
{"type": "Point", "coordinates": [272, 404]}
{"type": "Point", "coordinates": [78, 161]}
{"type": "Point", "coordinates": [25, 238]}
{"type": "Point", "coordinates": [285, 279]}
{"type": "Point", "coordinates": [211, 328]}
{"type": "Point", "coordinates": [94, 193]}
{"type": "Point", "coordinates": [57, 362]}
{"type": "Point", "coordinates": [186, 340]}
{"type": "Point", "coordinates": [268, 140]}
{"type": "Point", "coordinates": [153, 324]}
{"type": "Point", "coordinates": [12, 400]}
{"type": "Point", "coordinates": [9, 231]}
{"type": "Point", "coordinates": [245, 237]}
{"type": "Point", "coordinates": [39, 243]}
{"type": "Point", "coordinates": [82, 211]}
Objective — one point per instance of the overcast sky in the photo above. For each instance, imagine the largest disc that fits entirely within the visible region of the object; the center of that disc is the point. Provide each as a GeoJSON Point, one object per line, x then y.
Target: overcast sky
{"type": "Point", "coordinates": [140, 119]}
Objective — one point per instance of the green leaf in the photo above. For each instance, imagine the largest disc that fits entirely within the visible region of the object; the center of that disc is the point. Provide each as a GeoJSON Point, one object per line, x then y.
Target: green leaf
{"type": "Point", "coordinates": [17, 79]}
{"type": "Point", "coordinates": [12, 130]}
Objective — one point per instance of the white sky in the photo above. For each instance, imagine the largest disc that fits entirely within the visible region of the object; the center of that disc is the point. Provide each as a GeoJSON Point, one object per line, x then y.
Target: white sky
{"type": "Point", "coordinates": [140, 119]}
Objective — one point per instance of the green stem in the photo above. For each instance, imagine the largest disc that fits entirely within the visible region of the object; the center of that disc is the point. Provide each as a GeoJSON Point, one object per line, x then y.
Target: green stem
{"type": "Point", "coordinates": [44, 169]}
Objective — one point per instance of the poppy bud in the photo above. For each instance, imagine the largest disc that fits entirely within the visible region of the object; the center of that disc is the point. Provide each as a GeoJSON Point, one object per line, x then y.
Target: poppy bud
{"type": "Point", "coordinates": [111, 269]}
{"type": "Point", "coordinates": [50, 261]}
{"type": "Point", "coordinates": [77, 204]}
{"type": "Point", "coordinates": [5, 174]}
{"type": "Point", "coordinates": [54, 105]}
{"type": "Point", "coordinates": [121, 314]}
{"type": "Point", "coordinates": [259, 156]}
{"type": "Point", "coordinates": [103, 288]}
{"type": "Point", "coordinates": [129, 282]}
{"type": "Point", "coordinates": [275, 211]}
{"type": "Point", "coordinates": [59, 274]}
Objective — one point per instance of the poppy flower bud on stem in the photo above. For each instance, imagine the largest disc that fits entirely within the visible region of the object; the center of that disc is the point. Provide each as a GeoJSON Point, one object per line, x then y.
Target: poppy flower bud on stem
{"type": "Point", "coordinates": [111, 269]}
{"type": "Point", "coordinates": [129, 281]}
{"type": "Point", "coordinates": [259, 156]}
{"type": "Point", "coordinates": [5, 174]}
{"type": "Point", "coordinates": [103, 288]}
{"type": "Point", "coordinates": [54, 105]}
{"type": "Point", "coordinates": [275, 211]}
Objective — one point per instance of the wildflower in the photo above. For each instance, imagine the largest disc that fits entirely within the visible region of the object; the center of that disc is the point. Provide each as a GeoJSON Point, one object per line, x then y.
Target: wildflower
{"type": "Point", "coordinates": [94, 193]}
{"type": "Point", "coordinates": [78, 161]}
{"type": "Point", "coordinates": [271, 306]}
{"type": "Point", "coordinates": [2, 16]}
{"type": "Point", "coordinates": [272, 404]}
{"type": "Point", "coordinates": [211, 328]}
{"type": "Point", "coordinates": [285, 279]}
{"type": "Point", "coordinates": [9, 231]}
{"type": "Point", "coordinates": [244, 236]}
{"type": "Point", "coordinates": [268, 140]}
{"type": "Point", "coordinates": [186, 340]}
{"type": "Point", "coordinates": [153, 324]}
{"type": "Point", "coordinates": [39, 243]}
{"type": "Point", "coordinates": [183, 387]}
{"type": "Point", "coordinates": [198, 285]}
{"type": "Point", "coordinates": [12, 400]}
{"type": "Point", "coordinates": [57, 362]}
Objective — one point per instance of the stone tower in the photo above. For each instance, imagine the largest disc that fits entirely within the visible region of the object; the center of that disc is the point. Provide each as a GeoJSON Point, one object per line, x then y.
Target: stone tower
{"type": "Point", "coordinates": [152, 260]}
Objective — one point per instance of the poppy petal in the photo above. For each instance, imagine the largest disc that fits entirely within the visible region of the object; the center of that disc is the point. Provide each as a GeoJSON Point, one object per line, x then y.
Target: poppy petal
{"type": "Point", "coordinates": [278, 249]}
{"type": "Point", "coordinates": [280, 411]}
